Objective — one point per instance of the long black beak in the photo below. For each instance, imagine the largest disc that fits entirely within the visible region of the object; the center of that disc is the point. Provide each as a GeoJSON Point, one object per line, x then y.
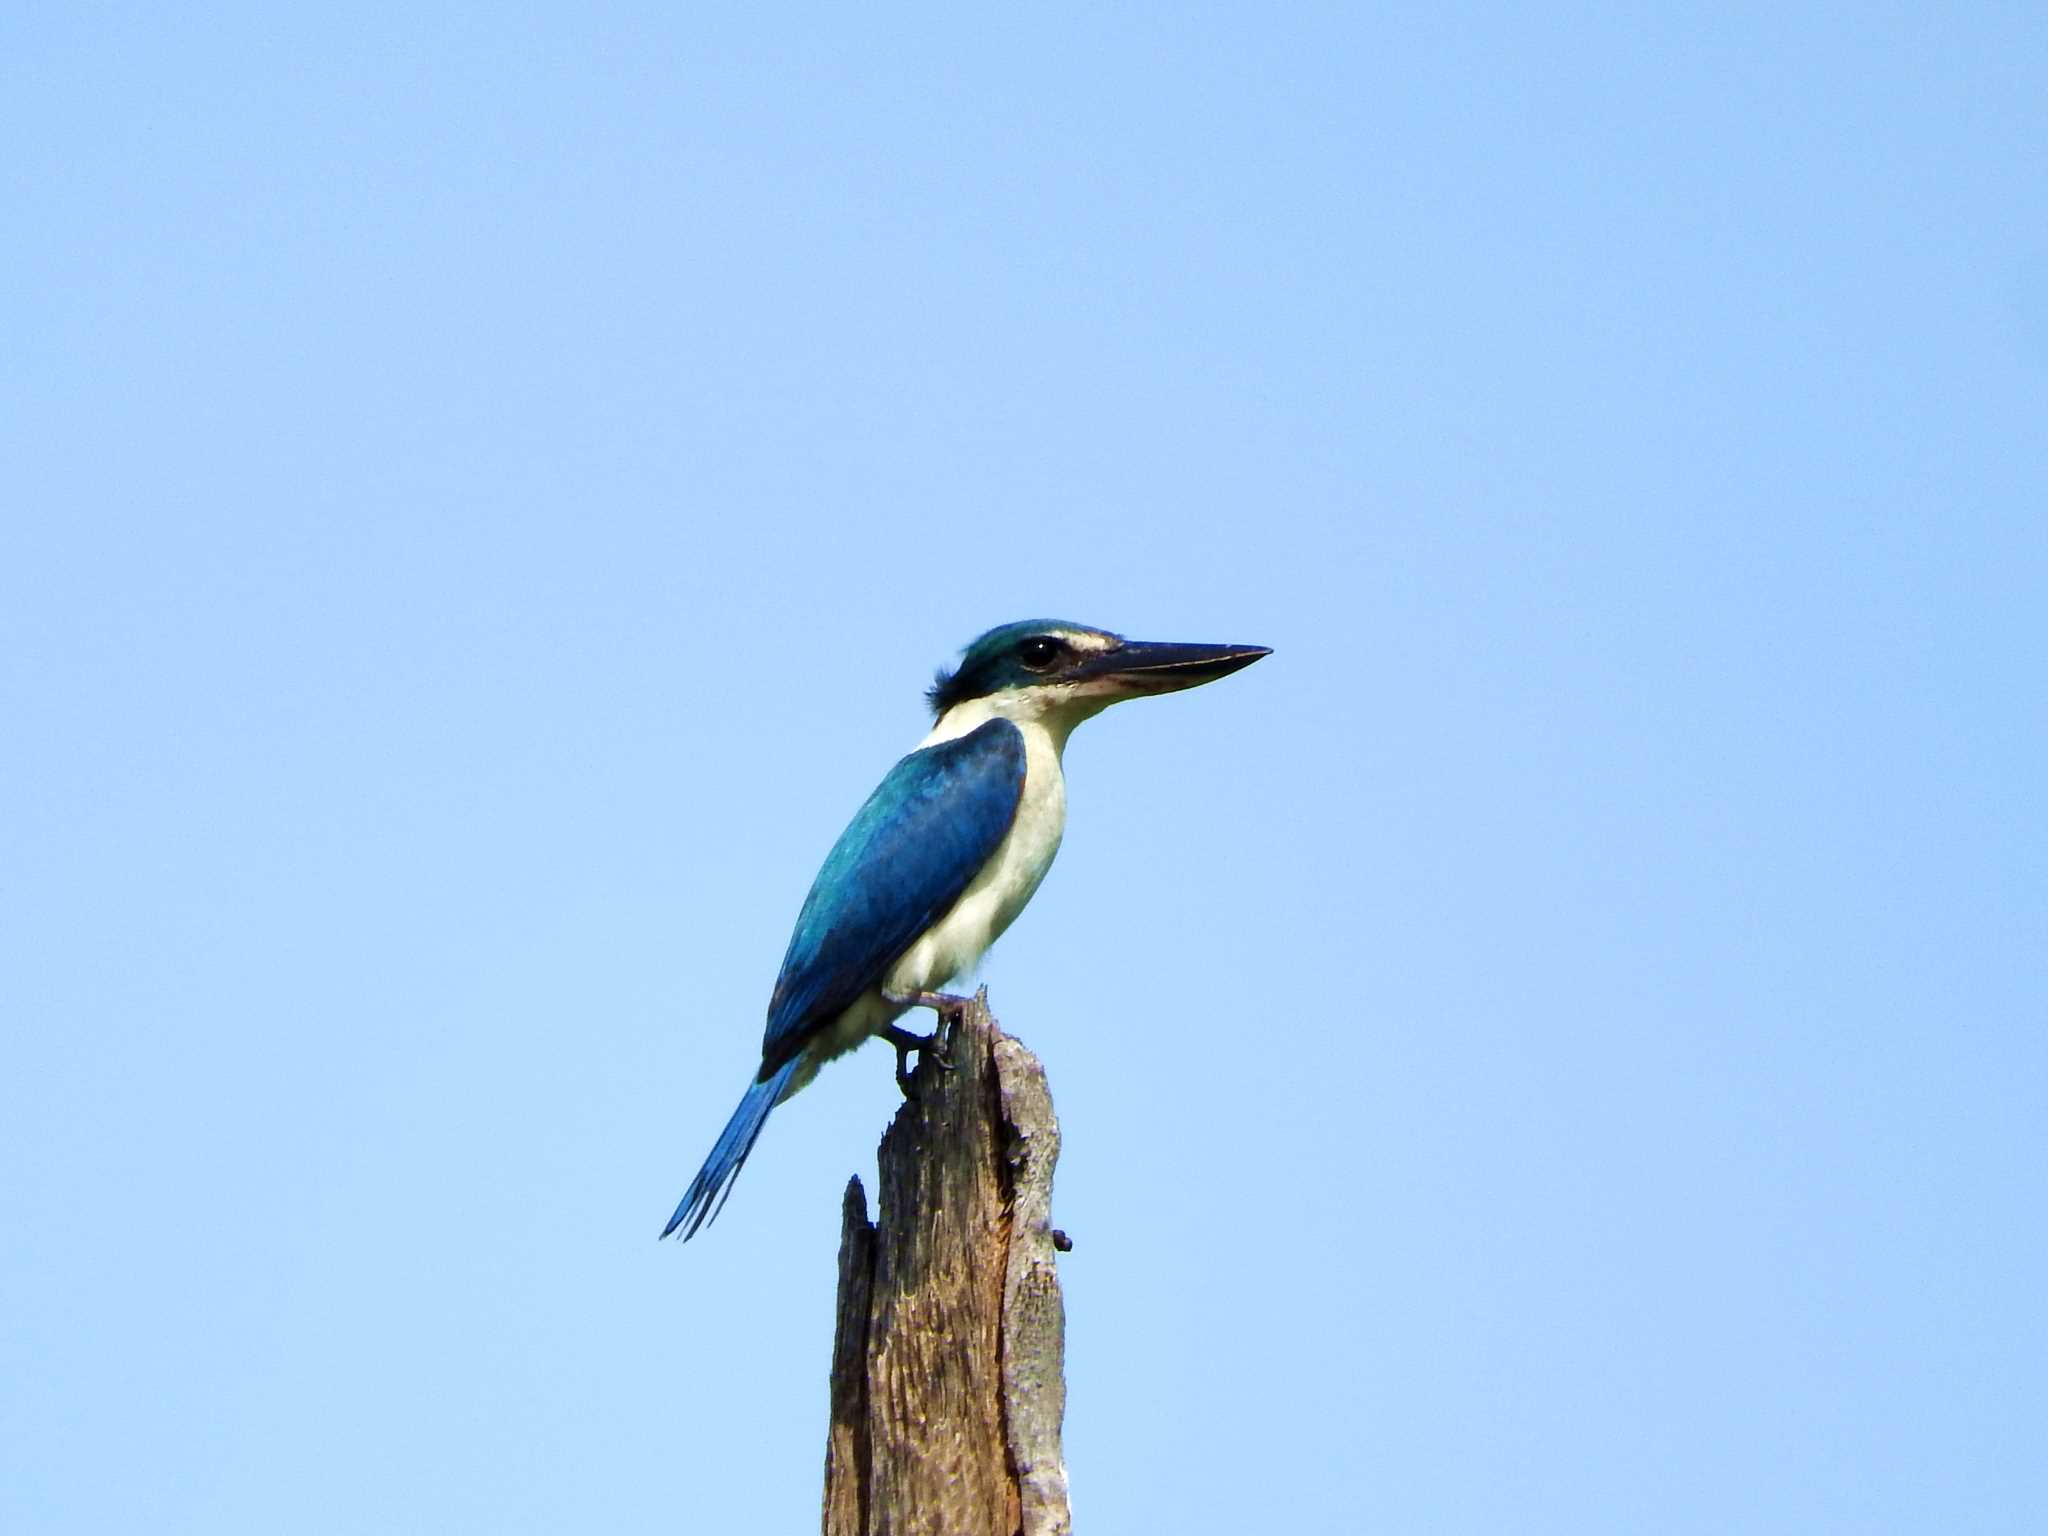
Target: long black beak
{"type": "Point", "coordinates": [1149, 666]}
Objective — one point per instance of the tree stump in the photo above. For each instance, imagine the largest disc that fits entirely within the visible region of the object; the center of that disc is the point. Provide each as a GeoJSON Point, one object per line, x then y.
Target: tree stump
{"type": "Point", "coordinates": [948, 1359]}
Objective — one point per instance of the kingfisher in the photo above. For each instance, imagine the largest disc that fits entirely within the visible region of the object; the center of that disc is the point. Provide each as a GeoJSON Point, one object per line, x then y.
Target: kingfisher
{"type": "Point", "coordinates": [940, 860]}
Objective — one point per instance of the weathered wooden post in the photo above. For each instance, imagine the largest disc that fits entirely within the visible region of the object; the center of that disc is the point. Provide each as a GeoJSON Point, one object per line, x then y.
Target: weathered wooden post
{"type": "Point", "coordinates": [947, 1363]}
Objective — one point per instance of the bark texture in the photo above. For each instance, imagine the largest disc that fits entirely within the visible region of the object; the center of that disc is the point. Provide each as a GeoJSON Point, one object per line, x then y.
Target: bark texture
{"type": "Point", "coordinates": [947, 1364]}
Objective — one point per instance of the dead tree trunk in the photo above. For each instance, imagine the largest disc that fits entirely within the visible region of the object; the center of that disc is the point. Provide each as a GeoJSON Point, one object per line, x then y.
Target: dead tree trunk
{"type": "Point", "coordinates": [947, 1384]}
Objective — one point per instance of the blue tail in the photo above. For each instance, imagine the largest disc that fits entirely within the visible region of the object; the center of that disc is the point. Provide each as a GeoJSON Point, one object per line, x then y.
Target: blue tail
{"type": "Point", "coordinates": [726, 1159]}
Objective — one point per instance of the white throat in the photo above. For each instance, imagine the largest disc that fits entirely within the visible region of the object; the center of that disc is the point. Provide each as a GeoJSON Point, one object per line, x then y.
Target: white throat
{"type": "Point", "coordinates": [1046, 715]}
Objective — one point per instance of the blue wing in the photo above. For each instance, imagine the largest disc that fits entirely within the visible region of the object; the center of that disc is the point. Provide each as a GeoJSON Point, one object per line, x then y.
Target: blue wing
{"type": "Point", "coordinates": [909, 852]}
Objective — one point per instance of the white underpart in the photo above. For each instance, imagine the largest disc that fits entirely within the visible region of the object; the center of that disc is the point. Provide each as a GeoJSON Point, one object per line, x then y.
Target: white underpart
{"type": "Point", "coordinates": [995, 896]}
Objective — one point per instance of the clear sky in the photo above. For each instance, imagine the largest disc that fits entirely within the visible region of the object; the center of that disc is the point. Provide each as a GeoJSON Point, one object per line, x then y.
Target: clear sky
{"type": "Point", "coordinates": [1559, 1047]}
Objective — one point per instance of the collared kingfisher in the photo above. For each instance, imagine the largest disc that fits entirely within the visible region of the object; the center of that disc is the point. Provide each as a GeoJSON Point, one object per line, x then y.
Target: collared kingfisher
{"type": "Point", "coordinates": [941, 859]}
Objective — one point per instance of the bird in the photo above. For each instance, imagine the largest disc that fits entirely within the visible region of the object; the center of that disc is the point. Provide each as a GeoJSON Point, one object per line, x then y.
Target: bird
{"type": "Point", "coordinates": [940, 860]}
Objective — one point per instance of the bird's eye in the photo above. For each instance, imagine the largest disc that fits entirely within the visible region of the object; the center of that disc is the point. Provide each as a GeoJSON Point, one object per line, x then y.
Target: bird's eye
{"type": "Point", "coordinates": [1039, 652]}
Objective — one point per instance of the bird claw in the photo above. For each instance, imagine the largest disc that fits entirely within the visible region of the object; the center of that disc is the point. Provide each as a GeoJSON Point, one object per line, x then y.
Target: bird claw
{"type": "Point", "coordinates": [936, 1047]}
{"type": "Point", "coordinates": [928, 1047]}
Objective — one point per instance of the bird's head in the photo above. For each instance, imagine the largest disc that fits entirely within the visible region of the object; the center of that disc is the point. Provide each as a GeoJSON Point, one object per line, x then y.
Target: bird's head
{"type": "Point", "coordinates": [1062, 673]}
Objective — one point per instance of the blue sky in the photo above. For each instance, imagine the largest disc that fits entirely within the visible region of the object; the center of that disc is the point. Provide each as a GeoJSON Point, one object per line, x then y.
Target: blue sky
{"type": "Point", "coordinates": [1558, 1047]}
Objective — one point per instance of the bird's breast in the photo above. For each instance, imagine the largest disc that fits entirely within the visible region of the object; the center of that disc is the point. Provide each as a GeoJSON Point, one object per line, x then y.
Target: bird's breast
{"type": "Point", "coordinates": [1005, 883]}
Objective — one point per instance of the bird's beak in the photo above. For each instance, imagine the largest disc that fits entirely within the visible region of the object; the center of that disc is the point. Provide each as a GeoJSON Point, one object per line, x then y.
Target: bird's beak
{"type": "Point", "coordinates": [1147, 666]}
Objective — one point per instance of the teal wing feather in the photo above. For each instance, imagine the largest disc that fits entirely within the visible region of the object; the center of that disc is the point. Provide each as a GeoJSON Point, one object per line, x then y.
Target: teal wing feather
{"type": "Point", "coordinates": [922, 837]}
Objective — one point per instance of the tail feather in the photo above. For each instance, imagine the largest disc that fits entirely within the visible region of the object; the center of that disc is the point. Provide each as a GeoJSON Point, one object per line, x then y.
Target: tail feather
{"type": "Point", "coordinates": [702, 1201]}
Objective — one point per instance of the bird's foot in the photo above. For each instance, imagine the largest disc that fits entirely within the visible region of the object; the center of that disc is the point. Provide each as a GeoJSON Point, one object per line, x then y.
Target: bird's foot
{"type": "Point", "coordinates": [936, 1046]}
{"type": "Point", "coordinates": [948, 1005]}
{"type": "Point", "coordinates": [926, 1046]}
